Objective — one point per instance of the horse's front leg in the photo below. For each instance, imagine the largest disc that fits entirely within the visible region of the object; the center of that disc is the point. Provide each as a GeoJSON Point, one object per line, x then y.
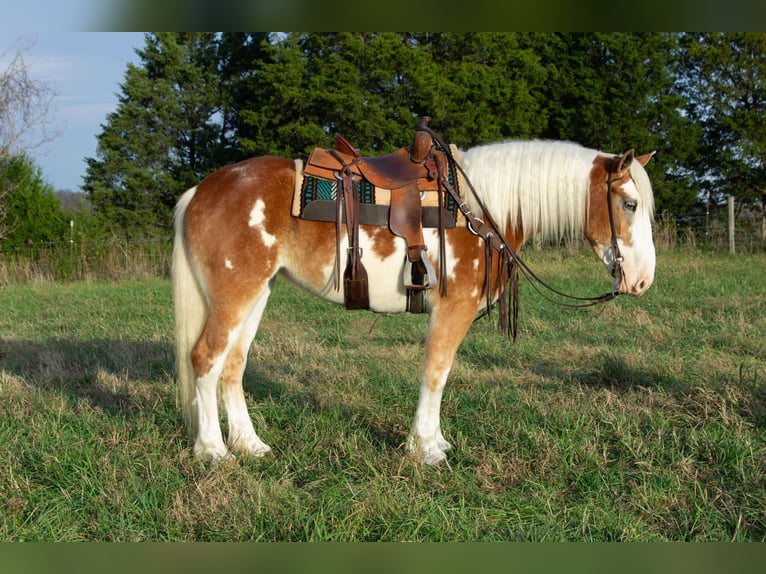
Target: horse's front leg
{"type": "Point", "coordinates": [448, 326]}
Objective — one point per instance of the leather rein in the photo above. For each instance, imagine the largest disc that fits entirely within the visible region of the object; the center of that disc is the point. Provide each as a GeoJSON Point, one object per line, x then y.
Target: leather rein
{"type": "Point", "coordinates": [487, 229]}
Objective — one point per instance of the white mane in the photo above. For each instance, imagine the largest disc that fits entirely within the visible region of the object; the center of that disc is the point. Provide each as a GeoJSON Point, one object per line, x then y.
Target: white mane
{"type": "Point", "coordinates": [541, 184]}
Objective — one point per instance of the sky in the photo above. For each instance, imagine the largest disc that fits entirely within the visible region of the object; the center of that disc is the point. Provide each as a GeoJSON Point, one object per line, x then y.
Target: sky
{"type": "Point", "coordinates": [86, 70]}
{"type": "Point", "coordinates": [38, 15]}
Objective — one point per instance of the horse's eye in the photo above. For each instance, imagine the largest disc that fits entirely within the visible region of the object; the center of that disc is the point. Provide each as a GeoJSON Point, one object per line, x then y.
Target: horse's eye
{"type": "Point", "coordinates": [631, 205]}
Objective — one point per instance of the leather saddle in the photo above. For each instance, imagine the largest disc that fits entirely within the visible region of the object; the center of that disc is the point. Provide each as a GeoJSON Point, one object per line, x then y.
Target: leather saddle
{"type": "Point", "coordinates": [407, 173]}
{"type": "Point", "coordinates": [392, 171]}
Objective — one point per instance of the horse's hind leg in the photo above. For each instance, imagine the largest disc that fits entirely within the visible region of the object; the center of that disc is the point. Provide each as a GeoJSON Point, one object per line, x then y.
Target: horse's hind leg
{"type": "Point", "coordinates": [446, 330]}
{"type": "Point", "coordinates": [208, 356]}
{"type": "Point", "coordinates": [242, 436]}
{"type": "Point", "coordinates": [222, 333]}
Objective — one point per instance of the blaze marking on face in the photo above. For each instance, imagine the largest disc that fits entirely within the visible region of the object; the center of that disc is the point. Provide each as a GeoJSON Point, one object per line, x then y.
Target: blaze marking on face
{"type": "Point", "coordinates": [257, 217]}
{"type": "Point", "coordinates": [228, 263]}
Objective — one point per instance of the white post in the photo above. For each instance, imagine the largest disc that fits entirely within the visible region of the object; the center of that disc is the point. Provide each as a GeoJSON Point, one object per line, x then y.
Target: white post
{"type": "Point", "coordinates": [731, 224]}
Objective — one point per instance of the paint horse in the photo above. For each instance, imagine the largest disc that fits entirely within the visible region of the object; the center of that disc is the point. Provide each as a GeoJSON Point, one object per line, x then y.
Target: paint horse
{"type": "Point", "coordinates": [234, 234]}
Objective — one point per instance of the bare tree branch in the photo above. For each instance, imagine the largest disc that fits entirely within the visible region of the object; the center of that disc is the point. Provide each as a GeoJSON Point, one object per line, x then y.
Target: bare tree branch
{"type": "Point", "coordinates": [26, 122]}
{"type": "Point", "coordinates": [26, 104]}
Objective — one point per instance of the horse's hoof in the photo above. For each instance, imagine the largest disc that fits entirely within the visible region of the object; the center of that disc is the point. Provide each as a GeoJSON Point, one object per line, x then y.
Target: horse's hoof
{"type": "Point", "coordinates": [433, 457]}
{"type": "Point", "coordinates": [443, 445]}
{"type": "Point", "coordinates": [227, 458]}
{"type": "Point", "coordinates": [255, 447]}
{"type": "Point", "coordinates": [216, 455]}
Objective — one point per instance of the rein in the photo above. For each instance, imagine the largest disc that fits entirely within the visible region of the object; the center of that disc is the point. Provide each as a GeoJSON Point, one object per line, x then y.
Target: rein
{"type": "Point", "coordinates": [510, 261]}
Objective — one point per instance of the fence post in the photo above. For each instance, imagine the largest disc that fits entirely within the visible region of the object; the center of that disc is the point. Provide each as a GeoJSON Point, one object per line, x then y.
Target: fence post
{"type": "Point", "coordinates": [731, 224]}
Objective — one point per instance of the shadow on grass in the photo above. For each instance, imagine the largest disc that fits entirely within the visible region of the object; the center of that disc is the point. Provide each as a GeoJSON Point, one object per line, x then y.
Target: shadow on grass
{"type": "Point", "coordinates": [114, 376]}
{"type": "Point", "coordinates": [119, 377]}
{"type": "Point", "coordinates": [608, 370]}
{"type": "Point", "coordinates": [745, 393]}
{"type": "Point", "coordinates": [319, 399]}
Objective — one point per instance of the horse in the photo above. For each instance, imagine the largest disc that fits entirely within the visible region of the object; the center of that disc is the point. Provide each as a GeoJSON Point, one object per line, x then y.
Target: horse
{"type": "Point", "coordinates": [234, 235]}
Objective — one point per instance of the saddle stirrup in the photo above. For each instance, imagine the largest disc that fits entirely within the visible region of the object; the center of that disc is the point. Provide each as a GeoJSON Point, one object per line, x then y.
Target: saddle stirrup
{"type": "Point", "coordinates": [419, 275]}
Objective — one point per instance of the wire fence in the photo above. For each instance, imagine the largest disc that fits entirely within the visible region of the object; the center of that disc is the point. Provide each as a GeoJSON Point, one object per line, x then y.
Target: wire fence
{"type": "Point", "coordinates": [710, 232]}
{"type": "Point", "coordinates": [85, 259]}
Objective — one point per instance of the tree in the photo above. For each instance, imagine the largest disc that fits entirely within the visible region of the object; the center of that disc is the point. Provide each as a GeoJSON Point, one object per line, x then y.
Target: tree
{"type": "Point", "coordinates": [240, 56]}
{"type": "Point", "coordinates": [616, 91]}
{"type": "Point", "coordinates": [305, 88]}
{"type": "Point", "coordinates": [725, 85]}
{"type": "Point", "coordinates": [273, 102]}
{"type": "Point", "coordinates": [370, 87]}
{"type": "Point", "coordinates": [479, 87]}
{"type": "Point", "coordinates": [33, 213]}
{"type": "Point", "coordinates": [200, 100]}
{"type": "Point", "coordinates": [25, 116]}
{"type": "Point", "coordinates": [165, 135]}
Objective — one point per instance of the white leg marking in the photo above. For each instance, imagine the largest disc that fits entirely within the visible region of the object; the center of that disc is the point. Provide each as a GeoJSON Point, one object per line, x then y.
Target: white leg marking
{"type": "Point", "coordinates": [242, 436]}
{"type": "Point", "coordinates": [426, 439]}
{"type": "Point", "coordinates": [209, 443]}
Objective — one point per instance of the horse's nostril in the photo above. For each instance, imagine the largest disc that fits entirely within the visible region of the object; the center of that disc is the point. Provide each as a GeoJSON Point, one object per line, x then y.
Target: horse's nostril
{"type": "Point", "coordinates": [642, 285]}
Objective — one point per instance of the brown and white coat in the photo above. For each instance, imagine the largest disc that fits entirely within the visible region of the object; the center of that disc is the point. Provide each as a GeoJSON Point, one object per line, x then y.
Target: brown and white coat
{"type": "Point", "coordinates": [234, 235]}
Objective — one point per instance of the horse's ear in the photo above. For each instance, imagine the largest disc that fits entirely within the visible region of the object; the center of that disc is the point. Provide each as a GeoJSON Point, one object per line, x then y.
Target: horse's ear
{"type": "Point", "coordinates": [622, 164]}
{"type": "Point", "coordinates": [644, 159]}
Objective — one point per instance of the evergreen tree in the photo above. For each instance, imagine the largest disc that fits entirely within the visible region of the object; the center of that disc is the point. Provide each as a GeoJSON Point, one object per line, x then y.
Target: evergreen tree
{"type": "Point", "coordinates": [240, 55]}
{"type": "Point", "coordinates": [479, 87]}
{"type": "Point", "coordinates": [165, 134]}
{"type": "Point", "coordinates": [614, 91]}
{"type": "Point", "coordinates": [724, 81]}
{"type": "Point", "coordinates": [309, 87]}
{"type": "Point", "coordinates": [275, 112]}
{"type": "Point", "coordinates": [25, 105]}
{"type": "Point", "coordinates": [200, 100]}
{"type": "Point", "coordinates": [33, 213]}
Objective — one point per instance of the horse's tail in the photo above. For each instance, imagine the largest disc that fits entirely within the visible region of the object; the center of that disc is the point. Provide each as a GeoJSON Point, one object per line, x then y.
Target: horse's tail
{"type": "Point", "coordinates": [190, 314]}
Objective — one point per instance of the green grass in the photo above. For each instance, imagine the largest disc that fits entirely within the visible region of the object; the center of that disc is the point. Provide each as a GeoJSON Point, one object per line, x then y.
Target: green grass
{"type": "Point", "coordinates": [640, 420]}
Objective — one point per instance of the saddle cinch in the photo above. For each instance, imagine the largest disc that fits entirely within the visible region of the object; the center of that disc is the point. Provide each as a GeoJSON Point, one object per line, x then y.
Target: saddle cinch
{"type": "Point", "coordinates": [404, 178]}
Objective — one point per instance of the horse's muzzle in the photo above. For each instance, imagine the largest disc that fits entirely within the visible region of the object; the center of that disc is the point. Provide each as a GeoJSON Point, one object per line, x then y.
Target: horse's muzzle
{"type": "Point", "coordinates": [637, 287]}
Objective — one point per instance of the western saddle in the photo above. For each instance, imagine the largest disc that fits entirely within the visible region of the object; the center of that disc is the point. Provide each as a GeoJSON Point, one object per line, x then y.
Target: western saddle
{"type": "Point", "coordinates": [407, 173]}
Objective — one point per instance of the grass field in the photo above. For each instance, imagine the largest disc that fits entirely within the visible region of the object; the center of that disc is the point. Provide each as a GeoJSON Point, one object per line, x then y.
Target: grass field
{"type": "Point", "coordinates": [641, 420]}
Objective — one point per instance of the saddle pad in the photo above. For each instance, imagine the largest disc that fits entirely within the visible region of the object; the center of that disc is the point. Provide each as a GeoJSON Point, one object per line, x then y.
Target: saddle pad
{"type": "Point", "coordinates": [314, 199]}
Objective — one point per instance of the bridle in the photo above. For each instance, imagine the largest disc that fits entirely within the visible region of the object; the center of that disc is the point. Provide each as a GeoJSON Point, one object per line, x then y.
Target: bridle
{"type": "Point", "coordinates": [487, 229]}
{"type": "Point", "coordinates": [617, 272]}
